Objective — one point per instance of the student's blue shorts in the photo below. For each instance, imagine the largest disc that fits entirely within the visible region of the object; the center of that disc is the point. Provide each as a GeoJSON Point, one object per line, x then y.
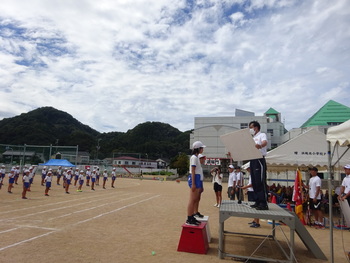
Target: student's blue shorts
{"type": "Point", "coordinates": [11, 180]}
{"type": "Point", "coordinates": [68, 181]}
{"type": "Point", "coordinates": [81, 182]}
{"type": "Point", "coordinates": [26, 185]}
{"type": "Point", "coordinates": [93, 180]}
{"type": "Point", "coordinates": [48, 184]}
{"type": "Point", "coordinates": [199, 183]}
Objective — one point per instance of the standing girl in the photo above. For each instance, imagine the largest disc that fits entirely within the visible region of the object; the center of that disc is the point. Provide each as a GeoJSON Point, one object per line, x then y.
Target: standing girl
{"type": "Point", "coordinates": [105, 178]}
{"type": "Point", "coordinates": [114, 176]}
{"type": "Point", "coordinates": [11, 176]}
{"type": "Point", "coordinates": [194, 182]}
{"type": "Point", "coordinates": [81, 180]}
{"type": "Point", "coordinates": [26, 183]}
{"type": "Point", "coordinates": [47, 181]}
{"type": "Point", "coordinates": [217, 181]}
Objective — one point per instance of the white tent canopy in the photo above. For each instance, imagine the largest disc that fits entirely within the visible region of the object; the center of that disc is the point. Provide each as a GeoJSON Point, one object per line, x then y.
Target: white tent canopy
{"type": "Point", "coordinates": [307, 149]}
{"type": "Point", "coordinates": [339, 138]}
{"type": "Point", "coordinates": [339, 134]}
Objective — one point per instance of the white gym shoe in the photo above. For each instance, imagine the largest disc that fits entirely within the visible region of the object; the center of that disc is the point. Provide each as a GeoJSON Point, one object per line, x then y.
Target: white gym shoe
{"type": "Point", "coordinates": [216, 205]}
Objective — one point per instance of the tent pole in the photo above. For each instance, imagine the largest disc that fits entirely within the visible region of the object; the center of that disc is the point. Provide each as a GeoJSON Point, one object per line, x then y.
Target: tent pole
{"type": "Point", "coordinates": [330, 204]}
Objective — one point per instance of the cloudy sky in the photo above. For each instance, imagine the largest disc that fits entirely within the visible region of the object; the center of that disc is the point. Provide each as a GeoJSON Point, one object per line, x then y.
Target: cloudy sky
{"type": "Point", "coordinates": [114, 64]}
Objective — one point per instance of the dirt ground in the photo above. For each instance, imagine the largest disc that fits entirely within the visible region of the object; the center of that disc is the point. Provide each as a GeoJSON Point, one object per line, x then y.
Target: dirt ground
{"type": "Point", "coordinates": [138, 221]}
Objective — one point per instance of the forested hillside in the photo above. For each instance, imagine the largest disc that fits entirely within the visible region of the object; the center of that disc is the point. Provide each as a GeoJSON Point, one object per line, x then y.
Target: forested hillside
{"type": "Point", "coordinates": [47, 125]}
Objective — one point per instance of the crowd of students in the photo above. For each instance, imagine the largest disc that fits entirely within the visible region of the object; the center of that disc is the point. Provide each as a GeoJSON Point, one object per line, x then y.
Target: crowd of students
{"type": "Point", "coordinates": [69, 176]}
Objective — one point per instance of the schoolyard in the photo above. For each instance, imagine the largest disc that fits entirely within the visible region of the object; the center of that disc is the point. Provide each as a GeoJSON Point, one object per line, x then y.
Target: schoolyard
{"type": "Point", "coordinates": [138, 221]}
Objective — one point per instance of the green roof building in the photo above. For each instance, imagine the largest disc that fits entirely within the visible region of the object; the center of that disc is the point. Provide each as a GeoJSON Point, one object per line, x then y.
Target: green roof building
{"type": "Point", "coordinates": [331, 114]}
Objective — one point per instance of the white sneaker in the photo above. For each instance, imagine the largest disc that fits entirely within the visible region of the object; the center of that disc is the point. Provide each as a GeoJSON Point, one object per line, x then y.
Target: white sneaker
{"type": "Point", "coordinates": [216, 205]}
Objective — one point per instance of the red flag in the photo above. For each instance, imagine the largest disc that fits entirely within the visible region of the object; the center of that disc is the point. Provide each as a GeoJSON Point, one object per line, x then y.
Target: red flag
{"type": "Point", "coordinates": [298, 196]}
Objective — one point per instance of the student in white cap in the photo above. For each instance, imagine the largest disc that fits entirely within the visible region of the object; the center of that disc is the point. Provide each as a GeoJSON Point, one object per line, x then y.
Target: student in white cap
{"type": "Point", "coordinates": [345, 186]}
{"type": "Point", "coordinates": [47, 181]}
{"type": "Point", "coordinates": [196, 213]}
{"type": "Point", "coordinates": [81, 180]}
{"type": "Point", "coordinates": [105, 178]}
{"type": "Point", "coordinates": [11, 176]}
{"type": "Point", "coordinates": [194, 182]}
{"type": "Point", "coordinates": [114, 176]}
{"type": "Point", "coordinates": [231, 183]}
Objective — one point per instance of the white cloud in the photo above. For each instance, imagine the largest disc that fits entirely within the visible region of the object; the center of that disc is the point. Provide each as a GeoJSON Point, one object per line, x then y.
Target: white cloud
{"type": "Point", "coordinates": [114, 64]}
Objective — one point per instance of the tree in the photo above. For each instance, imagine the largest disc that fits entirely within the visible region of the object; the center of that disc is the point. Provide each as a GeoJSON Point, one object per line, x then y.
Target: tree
{"type": "Point", "coordinates": [181, 163]}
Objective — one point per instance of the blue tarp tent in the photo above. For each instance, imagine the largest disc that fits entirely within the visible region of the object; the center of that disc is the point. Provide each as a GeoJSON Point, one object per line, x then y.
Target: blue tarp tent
{"type": "Point", "coordinates": [58, 162]}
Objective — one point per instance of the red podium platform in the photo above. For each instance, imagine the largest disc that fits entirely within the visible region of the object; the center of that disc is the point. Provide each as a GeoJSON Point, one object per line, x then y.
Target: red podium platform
{"type": "Point", "coordinates": [194, 239]}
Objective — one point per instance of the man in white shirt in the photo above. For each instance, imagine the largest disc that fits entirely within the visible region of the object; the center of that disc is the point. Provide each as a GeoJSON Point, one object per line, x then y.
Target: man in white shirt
{"type": "Point", "coordinates": [239, 184]}
{"type": "Point", "coordinates": [315, 196]}
{"type": "Point", "coordinates": [345, 186]}
{"type": "Point", "coordinates": [258, 167]}
{"type": "Point", "coordinates": [231, 183]}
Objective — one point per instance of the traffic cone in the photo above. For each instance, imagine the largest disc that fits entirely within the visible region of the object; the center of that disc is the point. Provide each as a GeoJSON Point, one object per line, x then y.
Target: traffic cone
{"type": "Point", "coordinates": [289, 207]}
{"type": "Point", "coordinates": [273, 200]}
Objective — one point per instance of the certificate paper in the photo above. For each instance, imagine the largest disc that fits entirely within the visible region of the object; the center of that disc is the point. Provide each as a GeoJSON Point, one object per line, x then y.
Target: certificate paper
{"type": "Point", "coordinates": [241, 145]}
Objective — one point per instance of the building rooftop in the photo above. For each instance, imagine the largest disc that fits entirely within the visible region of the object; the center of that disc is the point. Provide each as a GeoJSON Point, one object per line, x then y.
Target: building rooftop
{"type": "Point", "coordinates": [332, 113]}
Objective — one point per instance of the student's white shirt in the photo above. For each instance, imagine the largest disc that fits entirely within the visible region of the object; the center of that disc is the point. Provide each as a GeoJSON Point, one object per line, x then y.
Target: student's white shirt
{"type": "Point", "coordinates": [217, 178]}
{"type": "Point", "coordinates": [231, 179]}
{"type": "Point", "coordinates": [239, 179]}
{"type": "Point", "coordinates": [250, 189]}
{"type": "Point", "coordinates": [315, 181]}
{"type": "Point", "coordinates": [346, 184]}
{"type": "Point", "coordinates": [194, 161]}
{"type": "Point", "coordinates": [48, 179]}
{"type": "Point", "coordinates": [259, 138]}
{"type": "Point", "coordinates": [26, 178]}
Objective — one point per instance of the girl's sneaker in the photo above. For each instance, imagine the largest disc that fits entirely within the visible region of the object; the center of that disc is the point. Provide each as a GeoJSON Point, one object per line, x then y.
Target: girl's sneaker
{"type": "Point", "coordinates": [191, 221]}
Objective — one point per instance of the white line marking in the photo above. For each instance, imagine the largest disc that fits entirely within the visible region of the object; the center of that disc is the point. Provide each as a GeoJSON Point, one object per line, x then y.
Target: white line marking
{"type": "Point", "coordinates": [77, 223]}
{"type": "Point", "coordinates": [90, 208]}
{"type": "Point", "coordinates": [53, 209]}
{"type": "Point", "coordinates": [27, 240]}
{"type": "Point", "coordinates": [115, 210]}
{"type": "Point", "coordinates": [9, 230]}
{"type": "Point", "coordinates": [53, 204]}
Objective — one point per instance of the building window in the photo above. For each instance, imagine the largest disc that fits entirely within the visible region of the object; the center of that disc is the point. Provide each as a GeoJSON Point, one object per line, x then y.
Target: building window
{"type": "Point", "coordinates": [270, 131]}
{"type": "Point", "coordinates": [133, 163]}
{"type": "Point", "coordinates": [126, 162]}
{"type": "Point", "coordinates": [244, 125]}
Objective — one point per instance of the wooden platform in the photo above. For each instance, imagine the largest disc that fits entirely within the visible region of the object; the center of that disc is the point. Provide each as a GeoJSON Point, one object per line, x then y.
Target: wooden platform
{"type": "Point", "coordinates": [230, 208]}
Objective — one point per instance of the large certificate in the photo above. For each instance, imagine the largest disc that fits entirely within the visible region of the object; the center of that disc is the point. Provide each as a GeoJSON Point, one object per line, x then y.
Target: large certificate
{"type": "Point", "coordinates": [241, 145]}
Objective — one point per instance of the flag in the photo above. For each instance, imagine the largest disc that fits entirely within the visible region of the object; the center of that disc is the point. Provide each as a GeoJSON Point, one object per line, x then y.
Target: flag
{"type": "Point", "coordinates": [298, 196]}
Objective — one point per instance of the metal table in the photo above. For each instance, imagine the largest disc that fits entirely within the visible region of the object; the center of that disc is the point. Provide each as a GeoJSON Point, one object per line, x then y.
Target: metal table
{"type": "Point", "coordinates": [230, 208]}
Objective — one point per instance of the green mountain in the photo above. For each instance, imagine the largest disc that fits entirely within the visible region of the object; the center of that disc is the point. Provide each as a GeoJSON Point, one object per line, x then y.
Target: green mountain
{"type": "Point", "coordinates": [47, 125]}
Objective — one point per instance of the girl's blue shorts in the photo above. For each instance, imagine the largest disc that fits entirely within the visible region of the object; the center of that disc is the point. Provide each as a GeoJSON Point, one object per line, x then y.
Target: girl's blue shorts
{"type": "Point", "coordinates": [199, 183]}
